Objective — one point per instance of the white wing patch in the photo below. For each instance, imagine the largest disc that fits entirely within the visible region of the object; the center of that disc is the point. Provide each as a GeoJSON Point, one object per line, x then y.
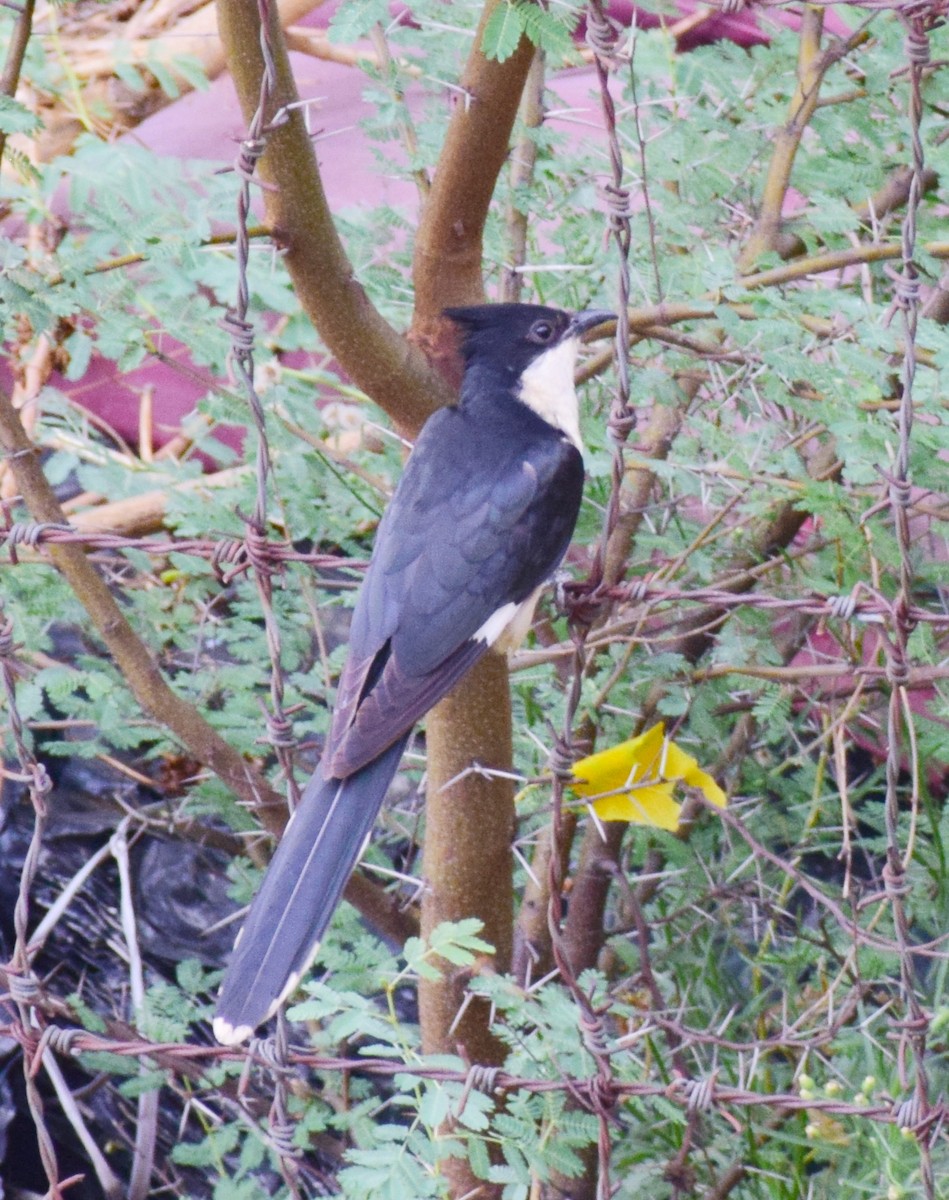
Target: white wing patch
{"type": "Point", "coordinates": [547, 388]}
{"type": "Point", "coordinates": [495, 625]}
{"type": "Point", "coordinates": [507, 626]}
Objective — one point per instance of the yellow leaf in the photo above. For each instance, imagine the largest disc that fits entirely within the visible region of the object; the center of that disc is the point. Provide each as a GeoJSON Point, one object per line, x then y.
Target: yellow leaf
{"type": "Point", "coordinates": [679, 765]}
{"type": "Point", "coordinates": [635, 780]}
{"type": "Point", "coordinates": [616, 768]}
{"type": "Point", "coordinates": [645, 804]}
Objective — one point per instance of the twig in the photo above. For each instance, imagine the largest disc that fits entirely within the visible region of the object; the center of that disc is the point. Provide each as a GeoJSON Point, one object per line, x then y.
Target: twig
{"type": "Point", "coordinates": [523, 161]}
{"type": "Point", "coordinates": [16, 53]}
{"type": "Point", "coordinates": [108, 1180]}
{"type": "Point", "coordinates": [146, 1125]}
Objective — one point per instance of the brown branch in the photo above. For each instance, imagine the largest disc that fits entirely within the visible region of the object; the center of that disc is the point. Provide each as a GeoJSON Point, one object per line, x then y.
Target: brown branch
{"type": "Point", "coordinates": [664, 425]}
{"type": "Point", "coordinates": [16, 52]}
{"type": "Point", "coordinates": [316, 44]}
{"type": "Point", "coordinates": [523, 161]}
{"type": "Point", "coordinates": [467, 883]}
{"type": "Point", "coordinates": [468, 867]}
{"type": "Point", "coordinates": [835, 260]}
{"type": "Point", "coordinates": [30, 379]}
{"type": "Point", "coordinates": [894, 193]}
{"type": "Point", "coordinates": [448, 248]}
{"type": "Point", "coordinates": [469, 815]}
{"type": "Point", "coordinates": [812, 66]}
{"type": "Point", "coordinates": [377, 358]}
{"type": "Point", "coordinates": [130, 260]}
{"type": "Point", "coordinates": [392, 71]}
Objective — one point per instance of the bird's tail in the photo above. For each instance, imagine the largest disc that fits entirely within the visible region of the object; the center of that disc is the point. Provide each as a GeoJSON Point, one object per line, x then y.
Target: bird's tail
{"type": "Point", "coordinates": [300, 891]}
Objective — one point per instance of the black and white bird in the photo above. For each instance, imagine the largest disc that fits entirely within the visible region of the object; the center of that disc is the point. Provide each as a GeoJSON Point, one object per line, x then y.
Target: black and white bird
{"type": "Point", "coordinates": [480, 521]}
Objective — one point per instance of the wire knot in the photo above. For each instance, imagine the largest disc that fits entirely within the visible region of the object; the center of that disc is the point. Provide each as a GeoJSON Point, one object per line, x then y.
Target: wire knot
{"type": "Point", "coordinates": [562, 757]}
{"type": "Point", "coordinates": [897, 671]}
{"type": "Point", "coordinates": [272, 1054]}
{"type": "Point", "coordinates": [602, 1095]}
{"type": "Point", "coordinates": [907, 287]}
{"type": "Point", "coordinates": [593, 1032]}
{"type": "Point", "coordinates": [8, 647]}
{"type": "Point", "coordinates": [258, 548]}
{"type": "Point", "coordinates": [894, 881]}
{"type": "Point", "coordinates": [618, 204]}
{"type": "Point", "coordinates": [232, 551]}
{"type": "Point", "coordinates": [917, 45]}
{"type": "Point", "coordinates": [60, 1040]}
{"type": "Point", "coordinates": [280, 731]}
{"type": "Point", "coordinates": [842, 607]}
{"type": "Point", "coordinates": [901, 492]}
{"type": "Point", "coordinates": [602, 34]}
{"type": "Point", "coordinates": [480, 1078]}
{"type": "Point", "coordinates": [30, 533]}
{"type": "Point", "coordinates": [907, 1114]}
{"type": "Point", "coordinates": [251, 151]}
{"type": "Point", "coordinates": [23, 989]}
{"type": "Point", "coordinates": [700, 1093]}
{"type": "Point", "coordinates": [282, 1132]}
{"type": "Point", "coordinates": [240, 331]}
{"type": "Point", "coordinates": [620, 425]}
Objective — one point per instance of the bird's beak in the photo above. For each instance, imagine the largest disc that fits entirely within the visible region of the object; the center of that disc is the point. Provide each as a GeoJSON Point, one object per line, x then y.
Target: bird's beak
{"type": "Point", "coordinates": [590, 318]}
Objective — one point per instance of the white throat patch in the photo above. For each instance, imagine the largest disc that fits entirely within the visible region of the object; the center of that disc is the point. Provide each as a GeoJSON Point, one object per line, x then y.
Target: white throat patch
{"type": "Point", "coordinates": [547, 388]}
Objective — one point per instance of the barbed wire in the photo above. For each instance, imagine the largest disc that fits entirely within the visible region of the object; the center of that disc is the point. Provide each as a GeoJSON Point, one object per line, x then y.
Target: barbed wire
{"type": "Point", "coordinates": [913, 1030]}
{"type": "Point", "coordinates": [231, 554]}
{"type": "Point", "coordinates": [603, 37]}
{"type": "Point", "coordinates": [935, 9]}
{"type": "Point", "coordinates": [258, 551]}
{"type": "Point", "coordinates": [22, 984]}
{"type": "Point", "coordinates": [863, 605]}
{"type": "Point", "coordinates": [241, 358]}
{"type": "Point", "coordinates": [75, 1041]}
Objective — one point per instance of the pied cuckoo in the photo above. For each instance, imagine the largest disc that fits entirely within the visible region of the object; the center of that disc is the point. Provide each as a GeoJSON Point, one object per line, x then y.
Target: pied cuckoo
{"type": "Point", "coordinates": [479, 522]}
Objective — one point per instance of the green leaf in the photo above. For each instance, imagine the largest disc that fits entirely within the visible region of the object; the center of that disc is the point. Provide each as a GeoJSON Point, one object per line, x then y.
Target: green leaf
{"type": "Point", "coordinates": [17, 118]}
{"type": "Point", "coordinates": [148, 1081]}
{"type": "Point", "coordinates": [546, 29]}
{"type": "Point", "coordinates": [211, 1150]}
{"type": "Point", "coordinates": [355, 18]}
{"type": "Point", "coordinates": [503, 31]}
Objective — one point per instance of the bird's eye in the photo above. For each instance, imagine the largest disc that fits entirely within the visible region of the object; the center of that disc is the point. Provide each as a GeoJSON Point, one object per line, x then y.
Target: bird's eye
{"type": "Point", "coordinates": [541, 332]}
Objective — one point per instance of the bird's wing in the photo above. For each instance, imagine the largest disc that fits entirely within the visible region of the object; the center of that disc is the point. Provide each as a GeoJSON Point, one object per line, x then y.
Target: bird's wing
{"type": "Point", "coordinates": [439, 572]}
